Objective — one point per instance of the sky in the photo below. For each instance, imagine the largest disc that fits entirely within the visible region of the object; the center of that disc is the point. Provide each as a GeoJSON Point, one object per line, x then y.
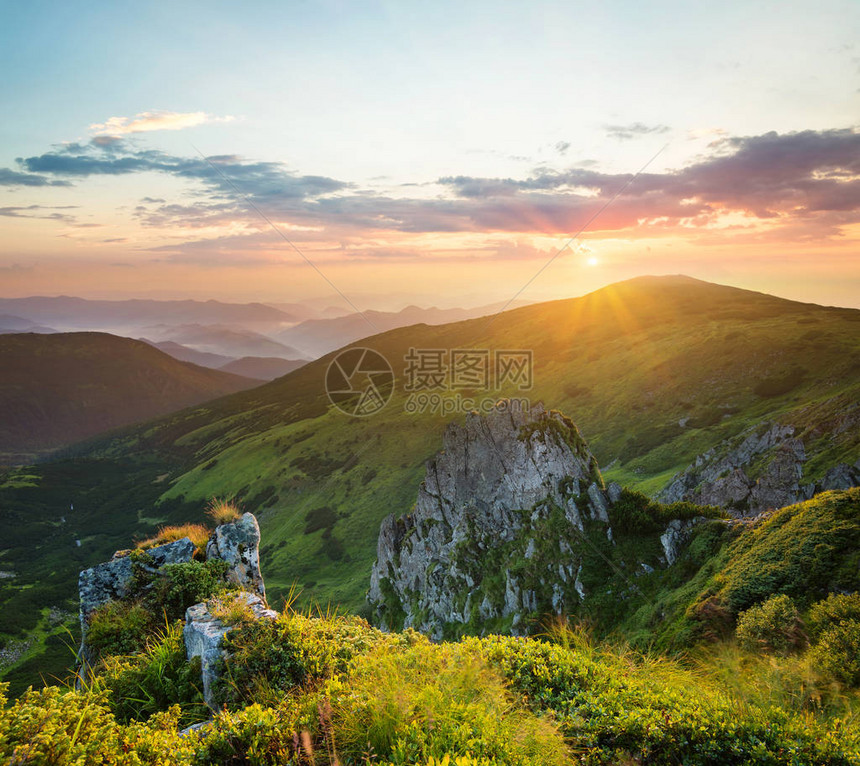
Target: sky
{"type": "Point", "coordinates": [445, 153]}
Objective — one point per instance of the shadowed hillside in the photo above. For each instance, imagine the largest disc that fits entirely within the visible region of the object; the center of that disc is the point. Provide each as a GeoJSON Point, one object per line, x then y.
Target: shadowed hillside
{"type": "Point", "coordinates": [62, 388]}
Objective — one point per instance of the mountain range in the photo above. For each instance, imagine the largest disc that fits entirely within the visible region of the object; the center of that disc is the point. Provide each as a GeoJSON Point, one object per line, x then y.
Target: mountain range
{"type": "Point", "coordinates": [664, 376]}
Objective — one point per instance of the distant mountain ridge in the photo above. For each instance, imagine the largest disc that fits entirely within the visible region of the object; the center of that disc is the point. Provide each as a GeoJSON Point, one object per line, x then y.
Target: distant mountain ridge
{"type": "Point", "coordinates": [234, 342]}
{"type": "Point", "coordinates": [262, 367]}
{"type": "Point", "coordinates": [319, 336]}
{"type": "Point", "coordinates": [187, 354]}
{"type": "Point", "coordinates": [81, 313]}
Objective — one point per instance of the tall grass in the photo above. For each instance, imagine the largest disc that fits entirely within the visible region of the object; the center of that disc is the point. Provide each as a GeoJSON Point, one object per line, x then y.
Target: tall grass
{"type": "Point", "coordinates": [223, 510]}
{"type": "Point", "coordinates": [409, 706]}
{"type": "Point", "coordinates": [197, 533]}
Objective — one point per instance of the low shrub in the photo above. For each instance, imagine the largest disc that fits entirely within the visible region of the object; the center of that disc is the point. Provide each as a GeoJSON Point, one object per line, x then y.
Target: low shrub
{"type": "Point", "coordinates": [780, 385]}
{"type": "Point", "coordinates": [636, 513]}
{"type": "Point", "coordinates": [68, 728]}
{"type": "Point", "coordinates": [270, 657]}
{"type": "Point", "coordinates": [837, 652]}
{"type": "Point", "coordinates": [154, 680]}
{"type": "Point", "coordinates": [773, 626]}
{"type": "Point", "coordinates": [231, 609]}
{"type": "Point", "coordinates": [118, 627]}
{"type": "Point", "coordinates": [617, 708]}
{"type": "Point", "coordinates": [427, 701]}
{"type": "Point", "coordinates": [177, 586]}
{"type": "Point", "coordinates": [835, 609]}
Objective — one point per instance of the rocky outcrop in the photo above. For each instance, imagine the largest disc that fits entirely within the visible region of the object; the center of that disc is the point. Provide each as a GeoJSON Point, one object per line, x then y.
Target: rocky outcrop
{"type": "Point", "coordinates": [842, 476]}
{"type": "Point", "coordinates": [760, 469]}
{"type": "Point", "coordinates": [238, 544]}
{"type": "Point", "coordinates": [203, 634]}
{"type": "Point", "coordinates": [498, 529]}
{"type": "Point", "coordinates": [111, 580]}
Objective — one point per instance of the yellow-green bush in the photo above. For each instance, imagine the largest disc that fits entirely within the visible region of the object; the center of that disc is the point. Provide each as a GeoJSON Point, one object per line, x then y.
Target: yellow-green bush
{"type": "Point", "coordinates": [118, 627]}
{"type": "Point", "coordinates": [67, 728]}
{"type": "Point", "coordinates": [837, 652]}
{"type": "Point", "coordinates": [836, 608]}
{"type": "Point", "coordinates": [409, 705]}
{"type": "Point", "coordinates": [773, 626]}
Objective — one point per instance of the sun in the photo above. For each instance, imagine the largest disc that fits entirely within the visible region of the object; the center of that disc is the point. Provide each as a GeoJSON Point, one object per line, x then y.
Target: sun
{"type": "Point", "coordinates": [592, 260]}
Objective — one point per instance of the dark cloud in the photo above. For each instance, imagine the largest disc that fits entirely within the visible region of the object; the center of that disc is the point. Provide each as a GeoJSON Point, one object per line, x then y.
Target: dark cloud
{"type": "Point", "coordinates": [16, 268]}
{"type": "Point", "coordinates": [255, 179]}
{"type": "Point", "coordinates": [10, 177]}
{"type": "Point", "coordinates": [108, 143]}
{"type": "Point", "coordinates": [634, 130]}
{"type": "Point", "coordinates": [562, 146]}
{"type": "Point", "coordinates": [769, 176]}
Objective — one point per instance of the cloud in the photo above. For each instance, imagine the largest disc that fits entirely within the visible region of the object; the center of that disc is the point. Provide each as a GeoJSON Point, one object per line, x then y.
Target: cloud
{"type": "Point", "coordinates": [562, 146]}
{"type": "Point", "coordinates": [34, 211]}
{"type": "Point", "coordinates": [219, 173]}
{"type": "Point", "coordinates": [12, 178]}
{"type": "Point", "coordinates": [772, 176]}
{"type": "Point", "coordinates": [803, 185]}
{"type": "Point", "coordinates": [17, 268]}
{"type": "Point", "coordinates": [157, 120]}
{"type": "Point", "coordinates": [634, 130]}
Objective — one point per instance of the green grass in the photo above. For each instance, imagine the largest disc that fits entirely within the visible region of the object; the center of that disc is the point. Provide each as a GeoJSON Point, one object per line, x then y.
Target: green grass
{"type": "Point", "coordinates": [334, 690]}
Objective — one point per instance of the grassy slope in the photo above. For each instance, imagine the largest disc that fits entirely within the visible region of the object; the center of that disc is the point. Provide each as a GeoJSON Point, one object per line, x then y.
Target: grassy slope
{"type": "Point", "coordinates": [805, 550]}
{"type": "Point", "coordinates": [62, 388]}
{"type": "Point", "coordinates": [626, 363]}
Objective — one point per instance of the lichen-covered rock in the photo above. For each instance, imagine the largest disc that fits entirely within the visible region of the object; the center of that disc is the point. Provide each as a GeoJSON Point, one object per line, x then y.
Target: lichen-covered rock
{"type": "Point", "coordinates": [203, 633]}
{"type": "Point", "coordinates": [676, 536]}
{"type": "Point", "coordinates": [238, 543]}
{"type": "Point", "coordinates": [761, 469]}
{"type": "Point", "coordinates": [842, 476]}
{"type": "Point", "coordinates": [110, 581]}
{"type": "Point", "coordinates": [507, 487]}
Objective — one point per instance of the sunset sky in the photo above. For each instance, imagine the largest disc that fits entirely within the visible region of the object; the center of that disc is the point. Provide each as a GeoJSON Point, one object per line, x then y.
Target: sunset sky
{"type": "Point", "coordinates": [435, 153]}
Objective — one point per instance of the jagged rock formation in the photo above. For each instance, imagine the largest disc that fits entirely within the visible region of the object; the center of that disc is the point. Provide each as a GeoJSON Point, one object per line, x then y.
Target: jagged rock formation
{"type": "Point", "coordinates": [502, 517]}
{"type": "Point", "coordinates": [203, 633]}
{"type": "Point", "coordinates": [238, 543]}
{"type": "Point", "coordinates": [759, 470]}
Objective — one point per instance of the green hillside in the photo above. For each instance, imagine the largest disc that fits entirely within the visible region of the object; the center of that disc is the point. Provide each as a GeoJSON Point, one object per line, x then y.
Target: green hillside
{"type": "Point", "coordinates": [300, 687]}
{"type": "Point", "coordinates": [65, 387]}
{"type": "Point", "coordinates": [627, 363]}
